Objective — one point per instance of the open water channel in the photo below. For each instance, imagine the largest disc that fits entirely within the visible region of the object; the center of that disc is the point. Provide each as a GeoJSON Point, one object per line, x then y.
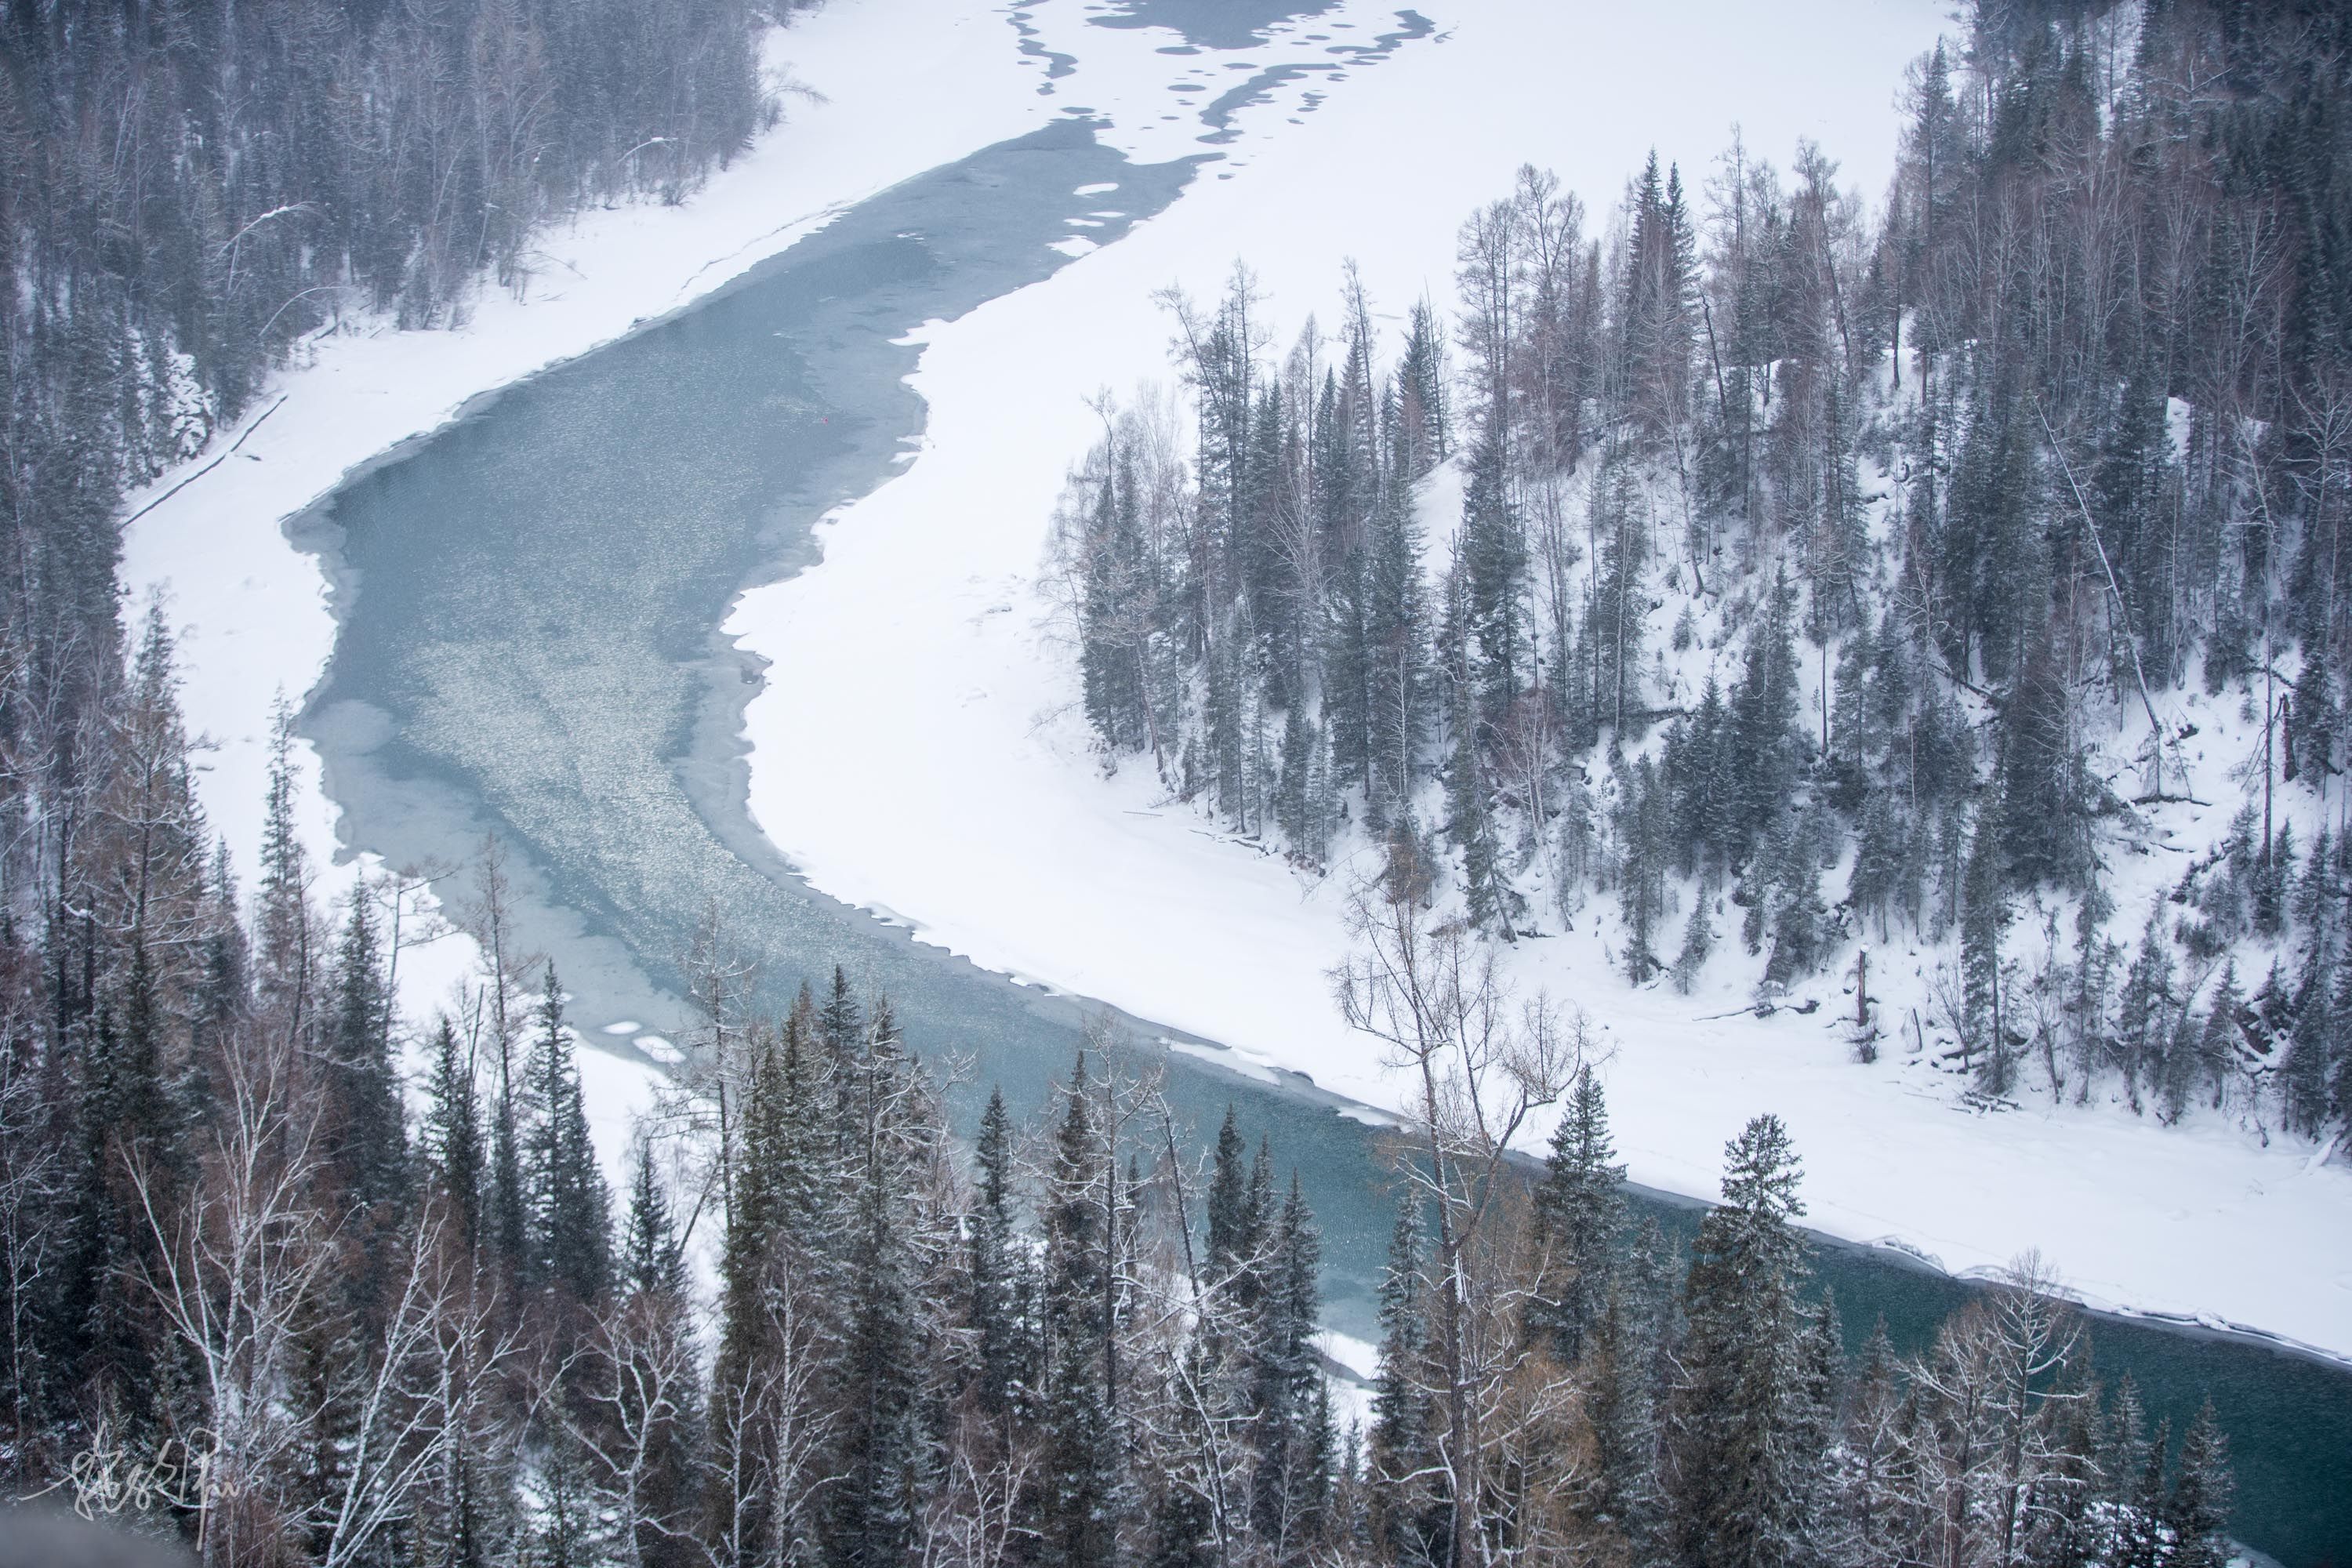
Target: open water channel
{"type": "Point", "coordinates": [528, 604]}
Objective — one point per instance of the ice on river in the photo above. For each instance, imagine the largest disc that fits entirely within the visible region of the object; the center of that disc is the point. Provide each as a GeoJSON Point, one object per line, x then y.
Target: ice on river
{"type": "Point", "coordinates": [1015, 851]}
{"type": "Point", "coordinates": [987, 821]}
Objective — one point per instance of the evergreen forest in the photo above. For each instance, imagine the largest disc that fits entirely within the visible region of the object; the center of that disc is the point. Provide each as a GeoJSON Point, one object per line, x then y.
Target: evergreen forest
{"type": "Point", "coordinates": [1775, 573]}
{"type": "Point", "coordinates": [1961, 492]}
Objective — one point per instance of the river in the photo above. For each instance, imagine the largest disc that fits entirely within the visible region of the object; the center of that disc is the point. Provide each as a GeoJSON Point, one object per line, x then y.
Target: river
{"type": "Point", "coordinates": [527, 603]}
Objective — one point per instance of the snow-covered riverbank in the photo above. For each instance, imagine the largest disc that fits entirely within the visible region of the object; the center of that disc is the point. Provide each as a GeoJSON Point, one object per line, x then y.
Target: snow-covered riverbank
{"type": "Point", "coordinates": [253, 610]}
{"type": "Point", "coordinates": [890, 91]}
{"type": "Point", "coordinates": [975, 810]}
{"type": "Point", "coordinates": [970, 806]}
{"type": "Point", "coordinates": [873, 94]}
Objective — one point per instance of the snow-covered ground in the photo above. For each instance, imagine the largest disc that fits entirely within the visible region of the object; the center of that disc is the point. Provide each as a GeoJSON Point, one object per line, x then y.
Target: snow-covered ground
{"type": "Point", "coordinates": [976, 810]}
{"type": "Point", "coordinates": [873, 92]}
{"type": "Point", "coordinates": [898, 87]}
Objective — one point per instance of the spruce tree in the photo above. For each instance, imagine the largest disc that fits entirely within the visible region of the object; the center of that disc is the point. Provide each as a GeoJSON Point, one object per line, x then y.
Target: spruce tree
{"type": "Point", "coordinates": [1081, 1505]}
{"type": "Point", "coordinates": [1290, 1486]}
{"type": "Point", "coordinates": [570, 1233]}
{"type": "Point", "coordinates": [284, 959]}
{"type": "Point", "coordinates": [996, 1267]}
{"type": "Point", "coordinates": [368, 1141]}
{"type": "Point", "coordinates": [1394, 658]}
{"type": "Point", "coordinates": [453, 1132]}
{"type": "Point", "coordinates": [2305, 1077]}
{"type": "Point", "coordinates": [1494, 567]}
{"type": "Point", "coordinates": [652, 1263]}
{"type": "Point", "coordinates": [2197, 1512]}
{"type": "Point", "coordinates": [1619, 1368]}
{"type": "Point", "coordinates": [653, 1332]}
{"type": "Point", "coordinates": [1740, 1481]}
{"type": "Point", "coordinates": [1984, 912]}
{"type": "Point", "coordinates": [883, 1460]}
{"type": "Point", "coordinates": [1579, 1218]}
{"type": "Point", "coordinates": [1229, 1241]}
{"type": "Point", "coordinates": [1401, 1519]}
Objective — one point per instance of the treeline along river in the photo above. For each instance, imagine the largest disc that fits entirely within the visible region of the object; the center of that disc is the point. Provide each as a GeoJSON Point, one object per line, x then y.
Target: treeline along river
{"type": "Point", "coordinates": [529, 602]}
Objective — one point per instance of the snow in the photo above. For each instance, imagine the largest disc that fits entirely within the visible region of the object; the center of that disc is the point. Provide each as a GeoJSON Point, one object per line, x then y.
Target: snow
{"type": "Point", "coordinates": [254, 613]}
{"type": "Point", "coordinates": [1013, 850]}
{"type": "Point", "coordinates": [1359, 1361]}
{"type": "Point", "coordinates": [978, 812]}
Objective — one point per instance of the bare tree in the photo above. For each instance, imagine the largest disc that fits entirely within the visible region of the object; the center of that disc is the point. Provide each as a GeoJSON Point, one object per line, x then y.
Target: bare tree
{"type": "Point", "coordinates": [1432, 994]}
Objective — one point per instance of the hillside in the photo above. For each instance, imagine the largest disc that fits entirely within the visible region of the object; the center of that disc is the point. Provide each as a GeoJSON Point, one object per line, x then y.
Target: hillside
{"type": "Point", "coordinates": [1991, 662]}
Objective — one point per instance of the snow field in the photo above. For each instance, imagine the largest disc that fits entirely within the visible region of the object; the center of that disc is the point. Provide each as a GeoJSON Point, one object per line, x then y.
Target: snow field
{"type": "Point", "coordinates": [978, 811]}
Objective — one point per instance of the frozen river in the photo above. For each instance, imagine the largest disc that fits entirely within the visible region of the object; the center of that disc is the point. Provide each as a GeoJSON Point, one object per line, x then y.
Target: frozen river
{"type": "Point", "coordinates": [528, 644]}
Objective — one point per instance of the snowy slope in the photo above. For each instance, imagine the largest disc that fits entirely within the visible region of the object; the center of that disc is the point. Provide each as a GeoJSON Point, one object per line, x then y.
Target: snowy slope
{"type": "Point", "coordinates": [977, 810]}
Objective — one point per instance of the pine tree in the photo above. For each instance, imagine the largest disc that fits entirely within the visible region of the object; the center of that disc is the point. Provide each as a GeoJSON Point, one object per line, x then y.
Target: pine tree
{"type": "Point", "coordinates": [883, 1462]}
{"type": "Point", "coordinates": [1290, 1488]}
{"type": "Point", "coordinates": [652, 1262]}
{"type": "Point", "coordinates": [1984, 913]}
{"type": "Point", "coordinates": [1421, 395]}
{"type": "Point", "coordinates": [1115, 610]}
{"type": "Point", "coordinates": [1799, 920]}
{"type": "Point", "coordinates": [2197, 1510]}
{"type": "Point", "coordinates": [656, 1408]}
{"type": "Point", "coordinates": [509, 1217]}
{"type": "Point", "coordinates": [2217, 1043]}
{"type": "Point", "coordinates": [1474, 829]}
{"type": "Point", "coordinates": [453, 1132]}
{"type": "Point", "coordinates": [368, 1141]}
{"type": "Point", "coordinates": [1394, 658]}
{"type": "Point", "coordinates": [2144, 1010]}
{"type": "Point", "coordinates": [1400, 1517]}
{"type": "Point", "coordinates": [569, 1237]}
{"type": "Point", "coordinates": [2304, 1076]}
{"type": "Point", "coordinates": [1642, 822]}
{"type": "Point", "coordinates": [1740, 1482]}
{"type": "Point", "coordinates": [1579, 1219]}
{"type": "Point", "coordinates": [1622, 1372]}
{"type": "Point", "coordinates": [1763, 719]}
{"type": "Point", "coordinates": [1253, 1276]}
{"type": "Point", "coordinates": [2045, 795]}
{"type": "Point", "coordinates": [1229, 1241]}
{"type": "Point", "coordinates": [747, 1518]}
{"type": "Point", "coordinates": [1697, 945]}
{"type": "Point", "coordinates": [1081, 1506]}
{"type": "Point", "coordinates": [997, 1289]}
{"type": "Point", "coordinates": [2140, 1533]}
{"type": "Point", "coordinates": [282, 920]}
{"type": "Point", "coordinates": [1494, 567]}
{"type": "Point", "coordinates": [2124, 1460]}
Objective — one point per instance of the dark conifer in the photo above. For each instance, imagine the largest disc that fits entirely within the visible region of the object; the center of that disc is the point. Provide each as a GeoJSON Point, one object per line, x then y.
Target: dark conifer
{"type": "Point", "coordinates": [367, 1140]}
{"type": "Point", "coordinates": [1741, 1483]}
{"type": "Point", "coordinates": [1580, 1211]}
{"type": "Point", "coordinates": [570, 1224]}
{"type": "Point", "coordinates": [453, 1132]}
{"type": "Point", "coordinates": [1082, 1502]}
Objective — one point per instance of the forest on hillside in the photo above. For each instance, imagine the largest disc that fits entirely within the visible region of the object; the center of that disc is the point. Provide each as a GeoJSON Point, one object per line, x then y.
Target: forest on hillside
{"type": "Point", "coordinates": [1822, 571]}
